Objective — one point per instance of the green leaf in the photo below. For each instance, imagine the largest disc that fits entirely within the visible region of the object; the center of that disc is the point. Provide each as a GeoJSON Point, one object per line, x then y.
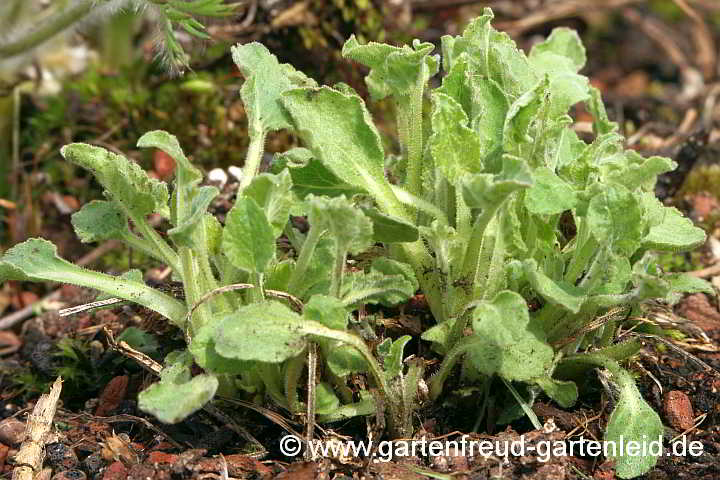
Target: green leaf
{"type": "Point", "coordinates": [505, 347]}
{"type": "Point", "coordinates": [176, 396]}
{"type": "Point", "coordinates": [456, 84]}
{"type": "Point", "coordinates": [309, 175]}
{"type": "Point", "coordinates": [455, 148]}
{"type": "Point", "coordinates": [248, 239]}
{"type": "Point", "coordinates": [549, 194]}
{"type": "Point", "coordinates": [439, 335]}
{"type": "Point", "coordinates": [490, 107]}
{"type": "Point", "coordinates": [669, 229]}
{"type": "Point", "coordinates": [213, 233]}
{"type": "Point", "coordinates": [388, 266]}
{"type": "Point", "coordinates": [375, 287]}
{"type": "Point", "coordinates": [682, 282]}
{"type": "Point", "coordinates": [565, 393]}
{"type": "Point", "coordinates": [338, 129]}
{"type": "Point", "coordinates": [390, 229]}
{"type": "Point", "coordinates": [521, 115]}
{"type": "Point", "coordinates": [492, 54]}
{"type": "Point", "coordinates": [393, 360]}
{"type": "Point", "coordinates": [326, 402]}
{"type": "Point", "coordinates": [346, 224]}
{"type": "Point", "coordinates": [366, 406]}
{"type": "Point", "coordinates": [265, 81]}
{"type": "Point", "coordinates": [36, 259]}
{"type": "Point", "coordinates": [273, 193]}
{"type": "Point", "coordinates": [278, 277]}
{"type": "Point", "coordinates": [328, 311]}
{"type": "Point", "coordinates": [183, 232]}
{"type": "Point", "coordinates": [99, 220]}
{"type": "Point", "coordinates": [615, 218]}
{"type": "Point", "coordinates": [202, 348]}
{"type": "Point", "coordinates": [563, 42]}
{"type": "Point", "coordinates": [267, 332]}
{"type": "Point", "coordinates": [601, 123]}
{"type": "Point", "coordinates": [345, 360]}
{"type": "Point", "coordinates": [124, 182]}
{"type": "Point", "coordinates": [170, 145]}
{"type": "Point", "coordinates": [632, 420]}
{"type": "Point", "coordinates": [393, 70]}
{"type": "Point", "coordinates": [487, 191]}
{"type": "Point", "coordinates": [140, 340]}
{"type": "Point", "coordinates": [641, 172]}
{"type": "Point", "coordinates": [558, 292]}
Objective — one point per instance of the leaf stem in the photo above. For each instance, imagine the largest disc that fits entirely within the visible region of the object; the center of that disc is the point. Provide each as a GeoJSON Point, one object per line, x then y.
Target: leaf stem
{"type": "Point", "coordinates": [254, 157]}
{"type": "Point", "coordinates": [472, 254]}
{"type": "Point", "coordinates": [162, 247]}
{"type": "Point", "coordinates": [303, 261]}
{"type": "Point", "coordinates": [415, 134]}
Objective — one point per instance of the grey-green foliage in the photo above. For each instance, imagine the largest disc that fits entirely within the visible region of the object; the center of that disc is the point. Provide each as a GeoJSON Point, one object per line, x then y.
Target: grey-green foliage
{"type": "Point", "coordinates": [498, 202]}
{"type": "Point", "coordinates": [244, 312]}
{"type": "Point", "coordinates": [499, 173]}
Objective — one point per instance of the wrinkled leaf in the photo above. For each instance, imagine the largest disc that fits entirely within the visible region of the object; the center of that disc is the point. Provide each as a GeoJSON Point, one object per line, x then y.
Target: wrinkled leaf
{"type": "Point", "coordinates": [248, 239]}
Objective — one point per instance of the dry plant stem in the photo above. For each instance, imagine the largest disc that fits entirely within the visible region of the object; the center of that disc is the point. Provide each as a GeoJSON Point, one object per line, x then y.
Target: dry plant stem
{"type": "Point", "coordinates": [560, 10]}
{"type": "Point", "coordinates": [15, 317]}
{"type": "Point", "coordinates": [32, 452]}
{"type": "Point", "coordinates": [703, 39]}
{"type": "Point", "coordinates": [312, 371]}
{"type": "Point", "coordinates": [658, 33]}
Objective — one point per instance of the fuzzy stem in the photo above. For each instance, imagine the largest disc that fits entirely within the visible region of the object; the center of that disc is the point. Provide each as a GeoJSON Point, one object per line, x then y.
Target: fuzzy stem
{"type": "Point", "coordinates": [303, 260]}
{"type": "Point", "coordinates": [50, 27]}
{"type": "Point", "coordinates": [451, 358]}
{"type": "Point", "coordinates": [293, 370]}
{"type": "Point", "coordinates": [495, 270]}
{"type": "Point", "coordinates": [162, 247]}
{"type": "Point", "coordinates": [338, 273]}
{"type": "Point", "coordinates": [472, 254]}
{"type": "Point", "coordinates": [415, 135]}
{"type": "Point", "coordinates": [254, 157]}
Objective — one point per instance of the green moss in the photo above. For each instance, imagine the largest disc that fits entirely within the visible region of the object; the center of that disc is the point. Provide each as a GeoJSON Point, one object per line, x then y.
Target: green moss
{"type": "Point", "coordinates": [702, 178]}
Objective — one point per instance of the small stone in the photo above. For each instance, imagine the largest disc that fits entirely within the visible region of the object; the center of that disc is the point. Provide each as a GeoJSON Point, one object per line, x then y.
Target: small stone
{"type": "Point", "coordinates": [93, 463]}
{"type": "Point", "coordinates": [12, 432]}
{"type": "Point", "coordinates": [678, 410]}
{"type": "Point", "coordinates": [162, 457]}
{"type": "Point", "coordinates": [70, 475]}
{"type": "Point", "coordinates": [116, 471]}
{"type": "Point", "coordinates": [61, 457]}
{"type": "Point", "coordinates": [112, 395]}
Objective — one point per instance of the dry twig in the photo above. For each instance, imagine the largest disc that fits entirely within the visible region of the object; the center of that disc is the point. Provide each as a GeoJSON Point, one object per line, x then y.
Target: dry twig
{"type": "Point", "coordinates": [32, 452]}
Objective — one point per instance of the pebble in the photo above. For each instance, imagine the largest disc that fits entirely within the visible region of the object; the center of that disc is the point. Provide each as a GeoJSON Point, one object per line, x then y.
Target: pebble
{"type": "Point", "coordinates": [678, 410]}
{"type": "Point", "coordinates": [116, 471]}
{"type": "Point", "coordinates": [70, 475]}
{"type": "Point", "coordinates": [12, 432]}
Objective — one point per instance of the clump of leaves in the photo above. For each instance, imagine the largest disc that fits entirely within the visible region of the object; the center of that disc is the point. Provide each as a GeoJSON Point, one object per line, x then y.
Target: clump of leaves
{"type": "Point", "coordinates": [477, 220]}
